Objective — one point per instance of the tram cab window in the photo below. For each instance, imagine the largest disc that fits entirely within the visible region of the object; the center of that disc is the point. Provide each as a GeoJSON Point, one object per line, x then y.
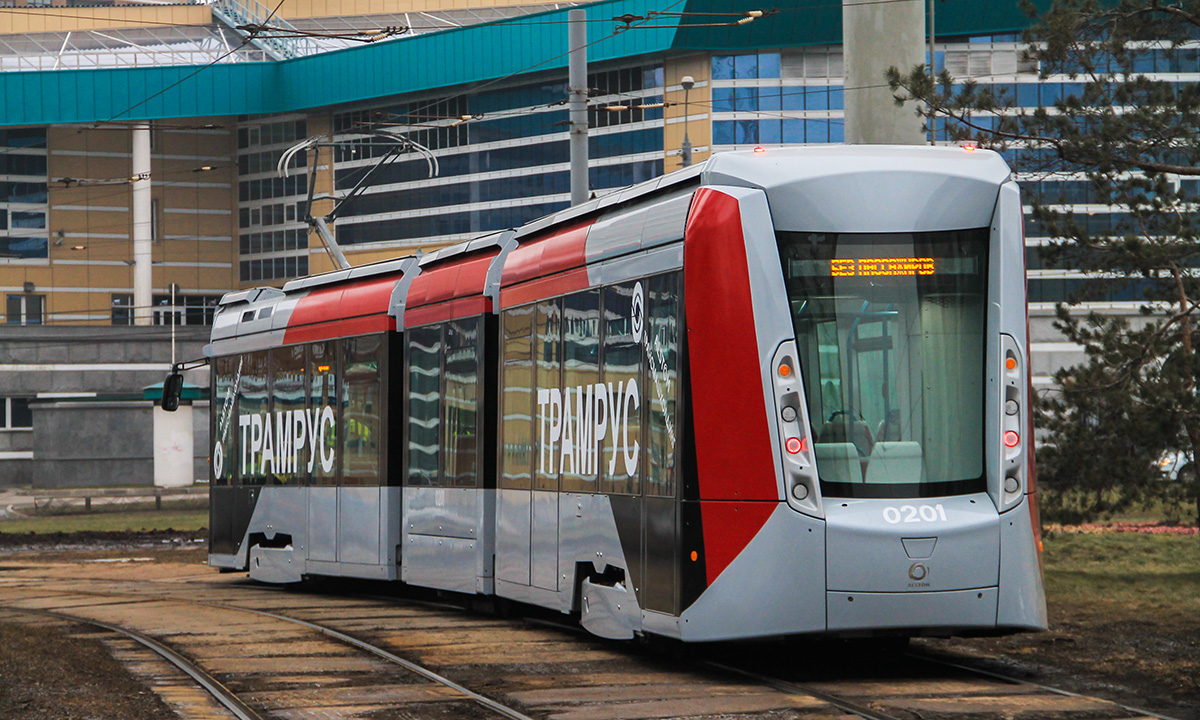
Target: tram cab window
{"type": "Point", "coordinates": [518, 395]}
{"type": "Point", "coordinates": [622, 376]}
{"type": "Point", "coordinates": [461, 444]}
{"type": "Point", "coordinates": [661, 350]}
{"type": "Point", "coordinates": [362, 410]}
{"type": "Point", "coordinates": [224, 429]}
{"type": "Point", "coordinates": [290, 426]}
{"type": "Point", "coordinates": [323, 408]}
{"type": "Point", "coordinates": [548, 402]}
{"type": "Point", "coordinates": [581, 404]}
{"type": "Point", "coordinates": [256, 435]}
{"type": "Point", "coordinates": [424, 403]}
{"type": "Point", "coordinates": [891, 334]}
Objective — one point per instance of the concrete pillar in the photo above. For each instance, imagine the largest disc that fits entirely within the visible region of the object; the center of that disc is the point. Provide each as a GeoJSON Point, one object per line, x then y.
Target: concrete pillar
{"type": "Point", "coordinates": [877, 36]}
{"type": "Point", "coordinates": [173, 447]}
{"type": "Point", "coordinates": [142, 227]}
{"type": "Point", "coordinates": [577, 92]}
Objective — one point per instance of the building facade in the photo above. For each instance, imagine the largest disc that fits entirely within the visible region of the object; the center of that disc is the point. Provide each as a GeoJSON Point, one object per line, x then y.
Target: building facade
{"type": "Point", "coordinates": [479, 84]}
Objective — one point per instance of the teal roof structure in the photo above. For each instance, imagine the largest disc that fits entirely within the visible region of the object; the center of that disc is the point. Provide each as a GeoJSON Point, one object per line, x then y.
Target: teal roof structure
{"type": "Point", "coordinates": [458, 58]}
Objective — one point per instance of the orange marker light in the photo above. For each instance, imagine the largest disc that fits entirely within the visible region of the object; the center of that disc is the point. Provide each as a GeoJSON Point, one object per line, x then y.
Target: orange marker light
{"type": "Point", "coordinates": [1011, 363]}
{"type": "Point", "coordinates": [785, 370]}
{"type": "Point", "coordinates": [1011, 438]}
{"type": "Point", "coordinates": [695, 556]}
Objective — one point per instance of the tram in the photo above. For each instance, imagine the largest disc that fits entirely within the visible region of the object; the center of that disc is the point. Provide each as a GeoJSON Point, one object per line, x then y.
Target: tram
{"type": "Point", "coordinates": [781, 392]}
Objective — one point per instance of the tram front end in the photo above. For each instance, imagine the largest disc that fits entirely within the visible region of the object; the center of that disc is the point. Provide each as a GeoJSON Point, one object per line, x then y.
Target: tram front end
{"type": "Point", "coordinates": [885, 288]}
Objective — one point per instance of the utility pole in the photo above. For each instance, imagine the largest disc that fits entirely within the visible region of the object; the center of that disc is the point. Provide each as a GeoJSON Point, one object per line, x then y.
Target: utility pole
{"type": "Point", "coordinates": [687, 82]}
{"type": "Point", "coordinates": [143, 314]}
{"type": "Point", "coordinates": [876, 36]}
{"type": "Point", "coordinates": [577, 92]}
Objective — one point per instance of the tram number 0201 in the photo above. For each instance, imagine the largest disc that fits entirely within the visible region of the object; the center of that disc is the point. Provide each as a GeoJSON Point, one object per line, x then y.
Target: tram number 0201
{"type": "Point", "coordinates": [914, 514]}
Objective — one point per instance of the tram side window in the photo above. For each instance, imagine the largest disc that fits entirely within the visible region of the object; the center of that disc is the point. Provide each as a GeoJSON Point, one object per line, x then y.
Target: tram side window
{"type": "Point", "coordinates": [323, 409]}
{"type": "Point", "coordinates": [362, 410]}
{"type": "Point", "coordinates": [621, 375]}
{"type": "Point", "coordinates": [518, 407]}
{"type": "Point", "coordinates": [289, 460]}
{"type": "Point", "coordinates": [254, 429]}
{"type": "Point", "coordinates": [661, 344]}
{"type": "Point", "coordinates": [551, 442]}
{"type": "Point", "coordinates": [224, 428]}
{"type": "Point", "coordinates": [582, 404]}
{"type": "Point", "coordinates": [424, 404]}
{"type": "Point", "coordinates": [461, 445]}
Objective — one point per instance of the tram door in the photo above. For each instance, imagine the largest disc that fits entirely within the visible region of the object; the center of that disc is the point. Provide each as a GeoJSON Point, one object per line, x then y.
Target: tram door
{"type": "Point", "coordinates": [660, 345]}
{"type": "Point", "coordinates": [548, 346]}
{"type": "Point", "coordinates": [323, 495]}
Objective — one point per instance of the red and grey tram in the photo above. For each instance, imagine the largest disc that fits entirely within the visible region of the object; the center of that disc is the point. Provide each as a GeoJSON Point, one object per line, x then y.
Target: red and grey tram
{"type": "Point", "coordinates": [776, 393]}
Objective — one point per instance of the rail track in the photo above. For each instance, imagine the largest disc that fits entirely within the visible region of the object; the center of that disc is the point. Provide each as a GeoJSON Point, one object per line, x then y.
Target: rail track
{"type": "Point", "coordinates": [268, 653]}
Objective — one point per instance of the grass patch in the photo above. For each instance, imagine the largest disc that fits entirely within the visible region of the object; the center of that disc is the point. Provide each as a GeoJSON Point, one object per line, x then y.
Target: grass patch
{"type": "Point", "coordinates": [113, 519]}
{"type": "Point", "coordinates": [1127, 575]}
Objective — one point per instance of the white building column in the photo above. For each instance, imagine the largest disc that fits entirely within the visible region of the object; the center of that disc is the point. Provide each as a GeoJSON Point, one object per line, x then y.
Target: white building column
{"type": "Point", "coordinates": [876, 36]}
{"type": "Point", "coordinates": [142, 227]}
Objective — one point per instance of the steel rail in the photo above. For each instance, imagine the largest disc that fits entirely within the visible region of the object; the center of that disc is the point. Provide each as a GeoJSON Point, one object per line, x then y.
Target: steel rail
{"type": "Point", "coordinates": [379, 652]}
{"type": "Point", "coordinates": [916, 655]}
{"type": "Point", "coordinates": [228, 699]}
{"type": "Point", "coordinates": [793, 688]}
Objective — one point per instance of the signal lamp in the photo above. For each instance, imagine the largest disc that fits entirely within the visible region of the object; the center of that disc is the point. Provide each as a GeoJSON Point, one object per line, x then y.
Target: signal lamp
{"type": "Point", "coordinates": [1011, 438]}
{"type": "Point", "coordinates": [759, 150]}
{"type": "Point", "coordinates": [794, 445]}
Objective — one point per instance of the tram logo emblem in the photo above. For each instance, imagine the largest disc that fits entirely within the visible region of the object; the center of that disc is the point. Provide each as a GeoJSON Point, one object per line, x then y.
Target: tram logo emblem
{"type": "Point", "coordinates": [918, 572]}
{"type": "Point", "coordinates": [637, 314]}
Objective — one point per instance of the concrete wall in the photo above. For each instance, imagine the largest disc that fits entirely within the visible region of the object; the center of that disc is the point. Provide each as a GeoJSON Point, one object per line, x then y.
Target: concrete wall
{"type": "Point", "coordinates": [90, 423]}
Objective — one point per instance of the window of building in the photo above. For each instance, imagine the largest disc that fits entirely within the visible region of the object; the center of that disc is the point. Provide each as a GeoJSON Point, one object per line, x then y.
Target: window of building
{"type": "Point", "coordinates": [15, 414]}
{"type": "Point", "coordinates": [25, 309]}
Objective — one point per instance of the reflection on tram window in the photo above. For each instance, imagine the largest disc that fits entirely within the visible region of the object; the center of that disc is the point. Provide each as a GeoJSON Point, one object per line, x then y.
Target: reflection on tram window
{"type": "Point", "coordinates": [582, 404]}
{"type": "Point", "coordinates": [288, 417]}
{"type": "Point", "coordinates": [224, 425]}
{"type": "Point", "coordinates": [361, 410]}
{"type": "Point", "coordinates": [622, 378]}
{"type": "Point", "coordinates": [517, 426]}
{"type": "Point", "coordinates": [890, 330]}
{"type": "Point", "coordinates": [660, 344]}
{"type": "Point", "coordinates": [324, 407]}
{"type": "Point", "coordinates": [548, 418]}
{"type": "Point", "coordinates": [461, 445]}
{"type": "Point", "coordinates": [256, 448]}
{"type": "Point", "coordinates": [424, 400]}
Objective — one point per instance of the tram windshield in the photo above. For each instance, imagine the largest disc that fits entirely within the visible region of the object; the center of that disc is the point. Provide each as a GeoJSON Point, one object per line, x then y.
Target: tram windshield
{"type": "Point", "coordinates": [890, 331]}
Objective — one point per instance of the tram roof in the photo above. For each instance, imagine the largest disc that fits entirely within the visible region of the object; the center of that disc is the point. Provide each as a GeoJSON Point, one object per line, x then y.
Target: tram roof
{"type": "Point", "coordinates": [453, 58]}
